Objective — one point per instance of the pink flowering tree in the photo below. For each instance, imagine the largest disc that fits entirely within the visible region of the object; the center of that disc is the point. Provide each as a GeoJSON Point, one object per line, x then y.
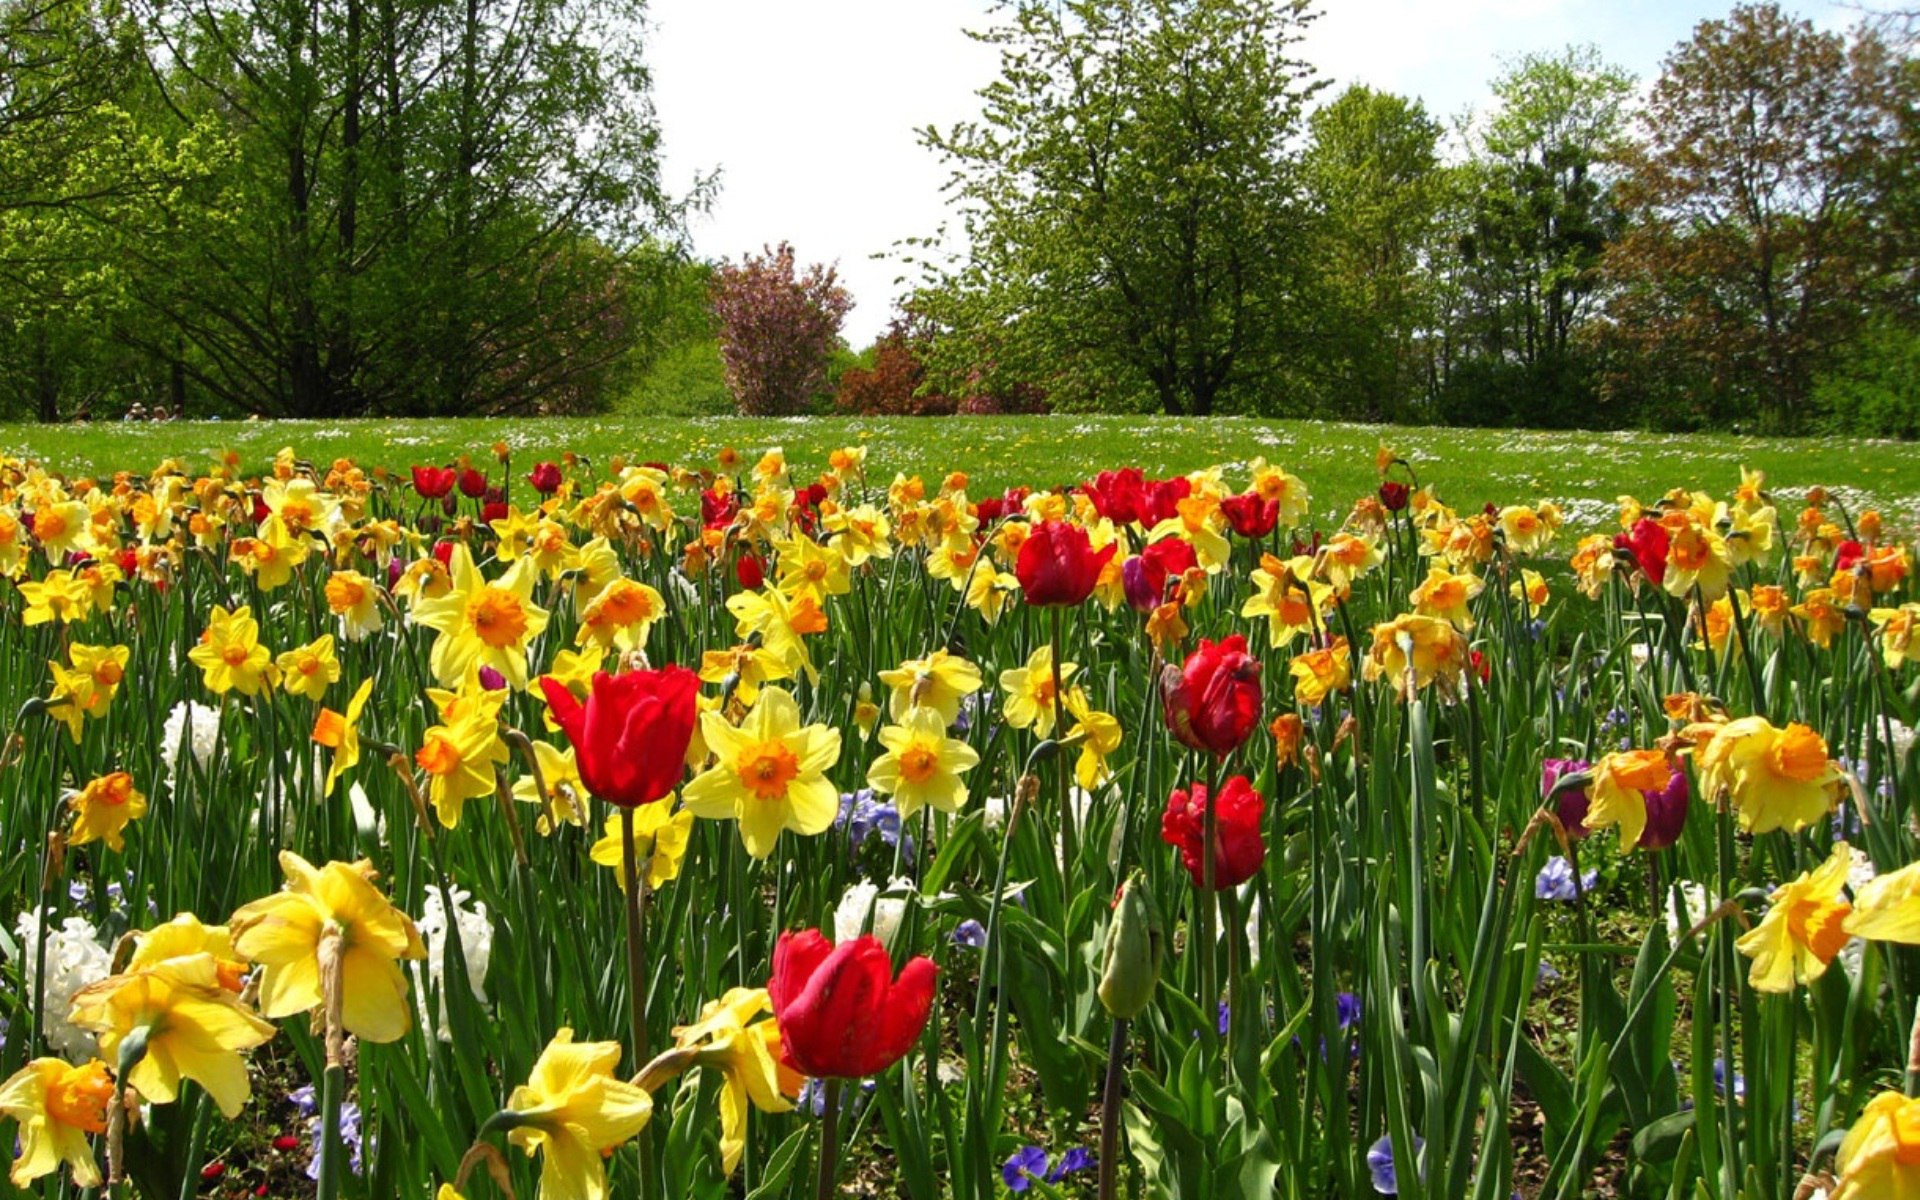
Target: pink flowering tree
{"type": "Point", "coordinates": [777, 329]}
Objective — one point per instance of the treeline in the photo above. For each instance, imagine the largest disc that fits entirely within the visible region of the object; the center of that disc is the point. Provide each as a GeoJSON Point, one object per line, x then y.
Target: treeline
{"type": "Point", "coordinates": [323, 208]}
{"type": "Point", "coordinates": [1162, 209]}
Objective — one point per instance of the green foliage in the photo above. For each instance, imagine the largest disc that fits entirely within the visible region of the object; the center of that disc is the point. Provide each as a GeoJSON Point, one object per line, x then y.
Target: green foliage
{"type": "Point", "coordinates": [1372, 173]}
{"type": "Point", "coordinates": [1129, 206]}
{"type": "Point", "coordinates": [1874, 386]}
{"type": "Point", "coordinates": [685, 380]}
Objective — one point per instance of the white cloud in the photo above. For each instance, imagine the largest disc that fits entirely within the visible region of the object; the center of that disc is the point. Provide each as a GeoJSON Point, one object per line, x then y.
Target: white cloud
{"type": "Point", "coordinates": [810, 109]}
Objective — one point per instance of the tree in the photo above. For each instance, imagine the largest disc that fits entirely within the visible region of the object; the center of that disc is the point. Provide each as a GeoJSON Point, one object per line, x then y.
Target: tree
{"type": "Point", "coordinates": [1129, 202]}
{"type": "Point", "coordinates": [1372, 173]}
{"type": "Point", "coordinates": [1534, 211]}
{"type": "Point", "coordinates": [1760, 238]}
{"type": "Point", "coordinates": [777, 329]}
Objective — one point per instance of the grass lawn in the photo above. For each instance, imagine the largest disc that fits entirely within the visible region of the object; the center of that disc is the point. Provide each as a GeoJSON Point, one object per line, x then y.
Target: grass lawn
{"type": "Point", "coordinates": [1582, 471]}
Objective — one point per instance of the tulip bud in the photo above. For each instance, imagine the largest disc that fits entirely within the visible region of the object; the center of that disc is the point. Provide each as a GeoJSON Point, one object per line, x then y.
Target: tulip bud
{"type": "Point", "coordinates": [1131, 968]}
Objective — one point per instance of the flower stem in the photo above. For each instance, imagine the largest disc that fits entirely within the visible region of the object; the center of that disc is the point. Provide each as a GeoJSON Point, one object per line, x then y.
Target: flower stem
{"type": "Point", "coordinates": [1110, 1111]}
{"type": "Point", "coordinates": [829, 1142]}
{"type": "Point", "coordinates": [636, 934]}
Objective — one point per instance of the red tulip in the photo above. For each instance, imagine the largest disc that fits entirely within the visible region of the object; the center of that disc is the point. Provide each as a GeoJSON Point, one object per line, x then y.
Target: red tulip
{"type": "Point", "coordinates": [434, 482]}
{"type": "Point", "coordinates": [842, 1014]}
{"type": "Point", "coordinates": [1250, 516]}
{"type": "Point", "coordinates": [1847, 555]}
{"type": "Point", "coordinates": [545, 478]}
{"type": "Point", "coordinates": [1238, 814]}
{"type": "Point", "coordinates": [1212, 703]}
{"type": "Point", "coordinates": [1394, 495]}
{"type": "Point", "coordinates": [1163, 497]}
{"type": "Point", "coordinates": [750, 572]}
{"type": "Point", "coordinates": [473, 483]}
{"type": "Point", "coordinates": [1058, 565]}
{"type": "Point", "coordinates": [1648, 542]}
{"type": "Point", "coordinates": [1174, 556]}
{"type": "Point", "coordinates": [717, 509]}
{"type": "Point", "coordinates": [493, 510]}
{"type": "Point", "coordinates": [1118, 495]}
{"type": "Point", "coordinates": [630, 738]}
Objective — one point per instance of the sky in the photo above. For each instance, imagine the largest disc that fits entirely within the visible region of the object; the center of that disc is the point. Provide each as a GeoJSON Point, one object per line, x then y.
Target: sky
{"type": "Point", "coordinates": [809, 108]}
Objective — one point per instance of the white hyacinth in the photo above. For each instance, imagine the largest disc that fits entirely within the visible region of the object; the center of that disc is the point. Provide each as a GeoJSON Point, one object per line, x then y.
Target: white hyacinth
{"type": "Point", "coordinates": [75, 958]}
{"type": "Point", "coordinates": [1698, 902]}
{"type": "Point", "coordinates": [850, 917]}
{"type": "Point", "coordinates": [205, 730]}
{"type": "Point", "coordinates": [476, 946]}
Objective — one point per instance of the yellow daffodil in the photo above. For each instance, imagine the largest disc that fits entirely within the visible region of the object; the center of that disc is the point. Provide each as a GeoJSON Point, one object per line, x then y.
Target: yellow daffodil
{"type": "Point", "coordinates": [272, 555]}
{"type": "Point", "coordinates": [747, 666]}
{"type": "Point", "coordinates": [566, 791]}
{"type": "Point", "coordinates": [922, 765]}
{"type": "Point", "coordinates": [770, 774]}
{"type": "Point", "coordinates": [1321, 671]}
{"type": "Point", "coordinates": [194, 1028]}
{"type": "Point", "coordinates": [1199, 520]}
{"type": "Point", "coordinates": [310, 669]}
{"type": "Point", "coordinates": [990, 590]}
{"type": "Point", "coordinates": [103, 809]}
{"type": "Point", "coordinates": [1696, 557]}
{"type": "Point", "coordinates": [1531, 590]}
{"type": "Point", "coordinates": [1288, 596]}
{"type": "Point", "coordinates": [229, 653]}
{"type": "Point", "coordinates": [746, 1053]}
{"type": "Point", "coordinates": [860, 534]}
{"type": "Point", "coordinates": [1419, 648]}
{"type": "Point", "coordinates": [1880, 1157]}
{"type": "Point", "coordinates": [61, 528]}
{"type": "Point", "coordinates": [55, 1106]}
{"type": "Point", "coordinates": [1100, 735]}
{"type": "Point", "coordinates": [621, 616]}
{"type": "Point", "coordinates": [1617, 795]}
{"type": "Point", "coordinates": [783, 626]}
{"type": "Point", "coordinates": [185, 936]}
{"type": "Point", "coordinates": [1275, 485]}
{"type": "Point", "coordinates": [284, 932]}
{"type": "Point", "coordinates": [940, 681]}
{"type": "Point", "coordinates": [1167, 628]}
{"type": "Point", "coordinates": [1887, 909]}
{"type": "Point", "coordinates": [1804, 928]}
{"type": "Point", "coordinates": [811, 569]}
{"type": "Point", "coordinates": [1526, 532]}
{"type": "Point", "coordinates": [660, 835]}
{"type": "Point", "coordinates": [89, 685]}
{"type": "Point", "coordinates": [355, 599]}
{"type": "Point", "coordinates": [574, 1110]}
{"type": "Point", "coordinates": [59, 597]}
{"type": "Point", "coordinates": [459, 758]}
{"type": "Point", "coordinates": [1447, 596]}
{"type": "Point", "coordinates": [1776, 778]}
{"type": "Point", "coordinates": [1895, 628]}
{"type": "Point", "coordinates": [340, 733]}
{"type": "Point", "coordinates": [1345, 558]}
{"type": "Point", "coordinates": [481, 623]}
{"type": "Point", "coordinates": [1030, 702]}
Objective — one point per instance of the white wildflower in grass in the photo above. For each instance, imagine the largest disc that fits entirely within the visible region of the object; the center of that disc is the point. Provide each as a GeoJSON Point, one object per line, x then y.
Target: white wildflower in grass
{"type": "Point", "coordinates": [476, 947]}
{"type": "Point", "coordinates": [75, 958]}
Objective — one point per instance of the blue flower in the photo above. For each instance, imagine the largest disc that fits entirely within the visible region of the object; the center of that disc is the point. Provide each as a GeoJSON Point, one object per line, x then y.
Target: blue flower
{"type": "Point", "coordinates": [1027, 1164]}
{"type": "Point", "coordinates": [1555, 881]}
{"type": "Point", "coordinates": [862, 815]}
{"type": "Point", "coordinates": [970, 933]}
{"type": "Point", "coordinates": [1223, 1018]}
{"type": "Point", "coordinates": [1346, 1007]}
{"type": "Point", "coordinates": [1544, 974]}
{"type": "Point", "coordinates": [1720, 1080]}
{"type": "Point", "coordinates": [1380, 1164]}
{"type": "Point", "coordinates": [1076, 1159]}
